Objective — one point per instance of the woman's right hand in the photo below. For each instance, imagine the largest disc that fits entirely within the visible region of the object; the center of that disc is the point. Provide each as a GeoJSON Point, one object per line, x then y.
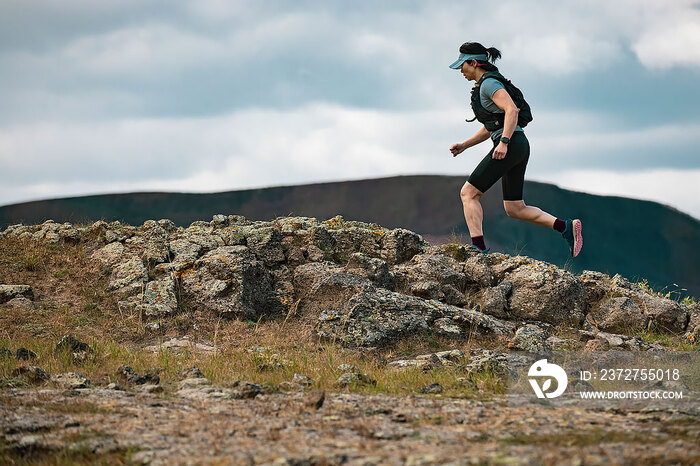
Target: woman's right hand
{"type": "Point", "coordinates": [457, 148]}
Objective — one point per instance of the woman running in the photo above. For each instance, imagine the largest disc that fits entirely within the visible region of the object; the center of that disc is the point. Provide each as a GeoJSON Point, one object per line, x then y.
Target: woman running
{"type": "Point", "coordinates": [508, 158]}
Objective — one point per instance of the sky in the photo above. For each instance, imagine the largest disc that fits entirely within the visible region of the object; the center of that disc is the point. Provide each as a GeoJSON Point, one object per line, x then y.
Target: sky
{"type": "Point", "coordinates": [213, 95]}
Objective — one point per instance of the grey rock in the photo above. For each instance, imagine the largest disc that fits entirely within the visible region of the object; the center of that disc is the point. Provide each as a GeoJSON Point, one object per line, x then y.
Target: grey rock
{"type": "Point", "coordinates": [179, 345]}
{"type": "Point", "coordinates": [557, 343]}
{"type": "Point", "coordinates": [400, 245]}
{"type": "Point", "coordinates": [21, 303]}
{"type": "Point", "coordinates": [194, 382]}
{"type": "Point", "coordinates": [32, 374]}
{"type": "Point", "coordinates": [349, 378]}
{"type": "Point", "coordinates": [158, 298]}
{"type": "Point", "coordinates": [546, 293]}
{"type": "Point", "coordinates": [495, 300]}
{"type": "Point", "coordinates": [448, 357]}
{"type": "Point", "coordinates": [126, 374]}
{"type": "Point", "coordinates": [619, 314]}
{"type": "Point", "coordinates": [154, 327]}
{"type": "Point", "coordinates": [665, 314]}
{"type": "Point", "coordinates": [266, 244]}
{"type": "Point", "coordinates": [8, 292]}
{"type": "Point", "coordinates": [70, 380]}
{"type": "Point", "coordinates": [432, 276]}
{"type": "Point", "coordinates": [128, 278]}
{"type": "Point", "coordinates": [348, 368]}
{"type": "Point", "coordinates": [23, 354]}
{"type": "Point", "coordinates": [529, 338]}
{"type": "Point", "coordinates": [287, 386]}
{"type": "Point", "coordinates": [191, 373]}
{"type": "Point", "coordinates": [353, 239]}
{"type": "Point", "coordinates": [302, 379]}
{"type": "Point", "coordinates": [70, 344]}
{"type": "Point", "coordinates": [230, 281]}
{"type": "Point", "coordinates": [111, 254]}
{"type": "Point", "coordinates": [432, 388]}
{"type": "Point", "coordinates": [482, 360]}
{"type": "Point", "coordinates": [597, 344]}
{"type": "Point", "coordinates": [371, 268]}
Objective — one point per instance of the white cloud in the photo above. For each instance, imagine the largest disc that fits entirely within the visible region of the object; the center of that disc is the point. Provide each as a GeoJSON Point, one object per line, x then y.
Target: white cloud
{"type": "Point", "coordinates": [318, 142]}
{"type": "Point", "coordinates": [677, 188]}
{"type": "Point", "coordinates": [677, 44]}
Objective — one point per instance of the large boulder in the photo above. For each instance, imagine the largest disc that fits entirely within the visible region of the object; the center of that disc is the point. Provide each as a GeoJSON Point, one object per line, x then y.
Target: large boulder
{"type": "Point", "coordinates": [352, 310]}
{"type": "Point", "coordinates": [665, 314]}
{"type": "Point", "coordinates": [325, 285]}
{"type": "Point", "coordinates": [230, 281]}
{"type": "Point", "coordinates": [128, 278]}
{"type": "Point", "coordinates": [376, 316]}
{"type": "Point", "coordinates": [372, 268]}
{"type": "Point", "coordinates": [159, 298]}
{"type": "Point", "coordinates": [546, 293]}
{"type": "Point", "coordinates": [432, 276]}
{"type": "Point", "coordinates": [266, 244]}
{"type": "Point", "coordinates": [400, 245]}
{"type": "Point", "coordinates": [355, 239]}
{"type": "Point", "coordinates": [112, 254]}
{"type": "Point", "coordinates": [617, 315]}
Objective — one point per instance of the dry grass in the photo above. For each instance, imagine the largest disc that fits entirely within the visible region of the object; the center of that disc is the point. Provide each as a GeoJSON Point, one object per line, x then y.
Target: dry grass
{"type": "Point", "coordinates": [72, 297]}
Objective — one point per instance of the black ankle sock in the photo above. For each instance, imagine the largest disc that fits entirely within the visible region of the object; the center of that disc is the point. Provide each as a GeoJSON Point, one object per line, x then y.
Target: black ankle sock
{"type": "Point", "coordinates": [559, 225]}
{"type": "Point", "coordinates": [478, 241]}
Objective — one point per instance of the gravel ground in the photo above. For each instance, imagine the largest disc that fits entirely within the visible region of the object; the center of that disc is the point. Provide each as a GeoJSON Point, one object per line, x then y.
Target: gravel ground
{"type": "Point", "coordinates": [116, 426]}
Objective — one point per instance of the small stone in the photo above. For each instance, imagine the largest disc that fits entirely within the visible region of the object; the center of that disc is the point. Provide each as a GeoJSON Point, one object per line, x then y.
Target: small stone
{"type": "Point", "coordinates": [249, 389]}
{"type": "Point", "coordinates": [350, 378]}
{"type": "Point", "coordinates": [348, 368]}
{"type": "Point", "coordinates": [70, 380]}
{"type": "Point", "coordinates": [315, 398]}
{"type": "Point", "coordinates": [287, 386]}
{"type": "Point", "coordinates": [467, 382]}
{"type": "Point", "coordinates": [150, 388]}
{"type": "Point", "coordinates": [597, 344]}
{"type": "Point", "coordinates": [32, 374]}
{"type": "Point", "coordinates": [432, 388]}
{"type": "Point", "coordinates": [154, 327]}
{"type": "Point", "coordinates": [194, 382]}
{"type": "Point", "coordinates": [191, 373]}
{"type": "Point", "coordinates": [23, 354]}
{"type": "Point", "coordinates": [71, 344]}
{"type": "Point", "coordinates": [529, 338]}
{"type": "Point", "coordinates": [128, 375]}
{"type": "Point", "coordinates": [302, 379]}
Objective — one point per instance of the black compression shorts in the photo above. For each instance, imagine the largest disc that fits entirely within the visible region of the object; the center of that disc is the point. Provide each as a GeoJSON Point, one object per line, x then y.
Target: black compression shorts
{"type": "Point", "coordinates": [511, 169]}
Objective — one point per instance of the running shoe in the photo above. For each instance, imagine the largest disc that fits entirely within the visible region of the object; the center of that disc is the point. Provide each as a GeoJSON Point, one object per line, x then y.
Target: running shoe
{"type": "Point", "coordinates": [572, 235]}
{"type": "Point", "coordinates": [479, 249]}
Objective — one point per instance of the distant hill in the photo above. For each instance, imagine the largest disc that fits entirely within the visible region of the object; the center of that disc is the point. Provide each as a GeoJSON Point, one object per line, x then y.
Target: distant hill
{"type": "Point", "coordinates": [632, 237]}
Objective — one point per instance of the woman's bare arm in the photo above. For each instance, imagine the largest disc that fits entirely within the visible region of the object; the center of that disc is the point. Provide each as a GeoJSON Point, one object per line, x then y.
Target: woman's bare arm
{"type": "Point", "coordinates": [505, 103]}
{"type": "Point", "coordinates": [480, 136]}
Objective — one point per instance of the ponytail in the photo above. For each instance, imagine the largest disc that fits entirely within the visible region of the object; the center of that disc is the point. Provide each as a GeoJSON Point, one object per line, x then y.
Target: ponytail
{"type": "Point", "coordinates": [493, 54]}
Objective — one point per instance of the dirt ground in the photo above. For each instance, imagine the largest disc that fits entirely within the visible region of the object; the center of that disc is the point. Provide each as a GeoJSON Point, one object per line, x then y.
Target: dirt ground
{"type": "Point", "coordinates": [104, 426]}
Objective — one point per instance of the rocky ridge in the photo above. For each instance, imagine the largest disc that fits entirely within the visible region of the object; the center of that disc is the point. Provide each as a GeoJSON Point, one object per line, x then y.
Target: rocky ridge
{"type": "Point", "coordinates": [360, 284]}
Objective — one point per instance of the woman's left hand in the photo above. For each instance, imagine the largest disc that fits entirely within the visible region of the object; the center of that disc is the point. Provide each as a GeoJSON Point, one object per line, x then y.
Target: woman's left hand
{"type": "Point", "coordinates": [500, 151]}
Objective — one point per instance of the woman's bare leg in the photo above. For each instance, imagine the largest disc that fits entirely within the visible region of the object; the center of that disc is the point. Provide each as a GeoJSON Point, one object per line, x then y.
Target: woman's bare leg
{"type": "Point", "coordinates": [473, 213]}
{"type": "Point", "coordinates": [518, 209]}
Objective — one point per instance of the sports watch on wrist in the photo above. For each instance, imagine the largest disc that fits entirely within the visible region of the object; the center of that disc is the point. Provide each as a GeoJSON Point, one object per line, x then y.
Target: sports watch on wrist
{"type": "Point", "coordinates": [505, 140]}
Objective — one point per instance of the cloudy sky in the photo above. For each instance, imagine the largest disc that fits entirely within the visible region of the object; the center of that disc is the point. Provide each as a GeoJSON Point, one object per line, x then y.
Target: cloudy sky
{"type": "Point", "coordinates": [214, 95]}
